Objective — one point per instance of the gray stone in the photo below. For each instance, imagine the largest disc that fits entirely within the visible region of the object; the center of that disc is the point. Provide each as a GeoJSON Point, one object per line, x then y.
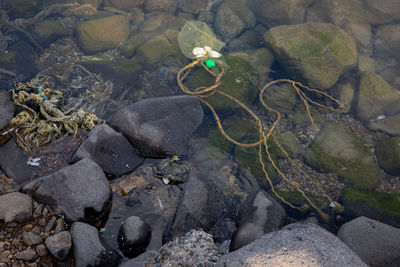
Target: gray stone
{"type": "Point", "coordinates": [50, 224]}
{"type": "Point", "coordinates": [381, 12]}
{"type": "Point", "coordinates": [260, 215]}
{"type": "Point", "coordinates": [31, 239]}
{"type": "Point", "coordinates": [88, 250]}
{"type": "Point", "coordinates": [59, 245]}
{"type": "Point", "coordinates": [80, 191]}
{"type": "Point", "coordinates": [15, 207]}
{"type": "Point", "coordinates": [141, 260]}
{"type": "Point", "coordinates": [26, 255]}
{"type": "Point", "coordinates": [232, 18]}
{"type": "Point", "coordinates": [191, 249]}
{"type": "Point", "coordinates": [134, 236]}
{"type": "Point", "coordinates": [6, 109]}
{"type": "Point", "coordinates": [41, 250]}
{"type": "Point", "coordinates": [376, 243]}
{"type": "Point", "coordinates": [294, 245]}
{"type": "Point", "coordinates": [194, 6]}
{"type": "Point", "coordinates": [110, 150]}
{"type": "Point", "coordinates": [317, 53]}
{"type": "Point", "coordinates": [337, 150]}
{"type": "Point", "coordinates": [163, 131]}
{"type": "Point", "coordinates": [387, 153]}
{"type": "Point", "coordinates": [387, 42]}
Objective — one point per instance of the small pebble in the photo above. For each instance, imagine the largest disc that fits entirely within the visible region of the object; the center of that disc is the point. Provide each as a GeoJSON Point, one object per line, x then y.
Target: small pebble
{"type": "Point", "coordinates": [50, 224]}
{"type": "Point", "coordinates": [42, 221]}
{"type": "Point", "coordinates": [26, 255]}
{"type": "Point", "coordinates": [41, 250]}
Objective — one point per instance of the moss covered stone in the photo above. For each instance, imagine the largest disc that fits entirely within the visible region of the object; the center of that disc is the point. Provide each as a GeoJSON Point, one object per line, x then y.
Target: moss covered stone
{"type": "Point", "coordinates": [126, 66]}
{"type": "Point", "coordinates": [101, 34]}
{"type": "Point", "coordinates": [388, 155]}
{"type": "Point", "coordinates": [339, 151]}
{"type": "Point", "coordinates": [376, 97]}
{"type": "Point", "coordinates": [317, 53]}
{"type": "Point", "coordinates": [380, 206]}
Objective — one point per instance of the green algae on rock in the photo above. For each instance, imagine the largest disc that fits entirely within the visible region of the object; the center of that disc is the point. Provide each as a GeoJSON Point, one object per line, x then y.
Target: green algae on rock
{"type": "Point", "coordinates": [317, 53]}
{"type": "Point", "coordinates": [337, 150]}
{"type": "Point", "coordinates": [101, 34]}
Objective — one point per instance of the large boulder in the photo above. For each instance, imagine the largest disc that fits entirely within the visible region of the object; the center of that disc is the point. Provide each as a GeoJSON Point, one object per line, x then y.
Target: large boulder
{"type": "Point", "coordinates": [339, 151]}
{"type": "Point", "coordinates": [232, 18]}
{"type": "Point", "coordinates": [88, 250]}
{"type": "Point", "coordinates": [376, 243]}
{"type": "Point", "coordinates": [317, 53]}
{"type": "Point", "coordinates": [110, 150]}
{"type": "Point", "coordinates": [79, 192]}
{"type": "Point", "coordinates": [376, 98]}
{"type": "Point", "coordinates": [294, 245]}
{"type": "Point", "coordinates": [15, 207]}
{"type": "Point", "coordinates": [101, 34]}
{"type": "Point", "coordinates": [159, 126]}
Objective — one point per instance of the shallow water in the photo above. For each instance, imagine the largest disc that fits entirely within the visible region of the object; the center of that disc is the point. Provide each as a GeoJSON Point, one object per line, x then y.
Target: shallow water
{"type": "Point", "coordinates": [42, 39]}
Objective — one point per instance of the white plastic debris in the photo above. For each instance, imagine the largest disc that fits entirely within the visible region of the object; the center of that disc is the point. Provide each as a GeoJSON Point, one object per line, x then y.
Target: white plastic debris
{"type": "Point", "coordinates": [33, 162]}
{"type": "Point", "coordinates": [165, 180]}
{"type": "Point", "coordinates": [201, 52]}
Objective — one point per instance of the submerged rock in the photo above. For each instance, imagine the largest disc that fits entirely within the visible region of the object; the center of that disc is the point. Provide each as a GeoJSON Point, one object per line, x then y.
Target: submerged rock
{"type": "Point", "coordinates": [6, 109]}
{"type": "Point", "coordinates": [134, 236]}
{"type": "Point", "coordinates": [110, 149]}
{"type": "Point", "coordinates": [381, 12]}
{"type": "Point", "coordinates": [317, 53]}
{"type": "Point", "coordinates": [387, 42]}
{"type": "Point", "coordinates": [337, 150]}
{"type": "Point", "coordinates": [388, 155]}
{"type": "Point", "coordinates": [59, 245]}
{"type": "Point", "coordinates": [79, 192]}
{"type": "Point", "coordinates": [15, 207]}
{"type": "Point", "coordinates": [295, 245]}
{"type": "Point", "coordinates": [163, 131]}
{"type": "Point", "coordinates": [101, 34]}
{"type": "Point", "coordinates": [88, 250]}
{"type": "Point", "coordinates": [376, 243]}
{"type": "Point", "coordinates": [258, 216]}
{"type": "Point", "coordinates": [160, 5]}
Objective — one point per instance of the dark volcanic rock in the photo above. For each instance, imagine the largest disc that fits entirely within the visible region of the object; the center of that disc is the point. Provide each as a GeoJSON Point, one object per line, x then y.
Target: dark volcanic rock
{"type": "Point", "coordinates": [110, 150]}
{"type": "Point", "coordinates": [259, 215]}
{"type": "Point", "coordinates": [376, 243]}
{"type": "Point", "coordinates": [80, 191]}
{"type": "Point", "coordinates": [15, 207]}
{"type": "Point", "coordinates": [159, 126]}
{"type": "Point", "coordinates": [59, 244]}
{"type": "Point", "coordinates": [141, 260]}
{"type": "Point", "coordinates": [294, 245]}
{"type": "Point", "coordinates": [88, 250]}
{"type": "Point", "coordinates": [134, 236]}
{"type": "Point", "coordinates": [6, 109]}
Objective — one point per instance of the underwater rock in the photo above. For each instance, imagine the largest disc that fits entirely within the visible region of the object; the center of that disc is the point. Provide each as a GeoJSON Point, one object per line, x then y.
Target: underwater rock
{"type": "Point", "coordinates": [163, 131]}
{"type": "Point", "coordinates": [23, 8]}
{"type": "Point", "coordinates": [15, 207]}
{"type": "Point", "coordinates": [339, 151]}
{"type": "Point", "coordinates": [159, 47]}
{"type": "Point", "coordinates": [376, 98]}
{"type": "Point", "coordinates": [136, 40]}
{"type": "Point", "coordinates": [88, 250]}
{"type": "Point", "coordinates": [48, 31]}
{"type": "Point", "coordinates": [277, 12]}
{"type": "Point", "coordinates": [59, 245]}
{"type": "Point", "coordinates": [134, 236]}
{"type": "Point", "coordinates": [389, 125]}
{"type": "Point", "coordinates": [317, 53]}
{"type": "Point", "coordinates": [298, 244]}
{"type": "Point", "coordinates": [79, 192]}
{"type": "Point", "coordinates": [232, 18]}
{"type": "Point", "coordinates": [101, 34]}
{"type": "Point", "coordinates": [191, 249]}
{"type": "Point", "coordinates": [110, 150]}
{"type": "Point", "coordinates": [162, 21]}
{"type": "Point", "coordinates": [381, 12]}
{"type": "Point", "coordinates": [168, 6]}
{"type": "Point", "coordinates": [388, 155]}
{"type": "Point", "coordinates": [281, 97]}
{"type": "Point", "coordinates": [387, 42]}
{"type": "Point", "coordinates": [194, 6]}
{"type": "Point", "coordinates": [7, 109]}
{"type": "Point", "coordinates": [384, 207]}
{"type": "Point", "coordinates": [258, 216]}
{"type": "Point", "coordinates": [346, 14]}
{"type": "Point", "coordinates": [139, 261]}
{"type": "Point", "coordinates": [376, 243]}
{"type": "Point", "coordinates": [126, 5]}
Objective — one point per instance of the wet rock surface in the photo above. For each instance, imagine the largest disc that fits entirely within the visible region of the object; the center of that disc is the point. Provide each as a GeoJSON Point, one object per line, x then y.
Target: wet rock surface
{"type": "Point", "coordinates": [165, 130]}
{"type": "Point", "coordinates": [388, 155]}
{"type": "Point", "coordinates": [79, 192]}
{"type": "Point", "coordinates": [299, 244]}
{"type": "Point", "coordinates": [15, 207]}
{"type": "Point", "coordinates": [59, 244]}
{"type": "Point", "coordinates": [6, 109]}
{"type": "Point", "coordinates": [134, 236]}
{"type": "Point", "coordinates": [376, 243]}
{"type": "Point", "coordinates": [110, 150]}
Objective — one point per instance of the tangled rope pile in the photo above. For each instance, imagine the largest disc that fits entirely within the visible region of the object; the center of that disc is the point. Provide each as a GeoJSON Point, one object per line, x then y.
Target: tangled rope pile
{"type": "Point", "coordinates": [264, 136]}
{"type": "Point", "coordinates": [42, 117]}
